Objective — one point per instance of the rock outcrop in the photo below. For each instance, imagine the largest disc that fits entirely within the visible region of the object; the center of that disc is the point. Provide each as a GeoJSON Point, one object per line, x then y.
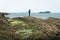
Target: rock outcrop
{"type": "Point", "coordinates": [45, 29]}
{"type": "Point", "coordinates": [3, 21]}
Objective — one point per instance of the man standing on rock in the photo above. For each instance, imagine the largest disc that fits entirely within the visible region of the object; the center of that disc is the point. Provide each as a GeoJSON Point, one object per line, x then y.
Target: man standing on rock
{"type": "Point", "coordinates": [29, 12]}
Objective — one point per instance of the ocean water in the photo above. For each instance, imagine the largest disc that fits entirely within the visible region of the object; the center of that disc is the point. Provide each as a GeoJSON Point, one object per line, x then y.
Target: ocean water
{"type": "Point", "coordinates": [37, 15]}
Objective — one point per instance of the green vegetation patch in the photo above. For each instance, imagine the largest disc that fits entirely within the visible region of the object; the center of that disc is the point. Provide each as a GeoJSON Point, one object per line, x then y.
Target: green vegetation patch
{"type": "Point", "coordinates": [24, 33]}
{"type": "Point", "coordinates": [14, 22]}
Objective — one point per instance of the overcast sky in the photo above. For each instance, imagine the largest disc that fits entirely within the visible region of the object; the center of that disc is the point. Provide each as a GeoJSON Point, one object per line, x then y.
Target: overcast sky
{"type": "Point", "coordinates": [34, 5]}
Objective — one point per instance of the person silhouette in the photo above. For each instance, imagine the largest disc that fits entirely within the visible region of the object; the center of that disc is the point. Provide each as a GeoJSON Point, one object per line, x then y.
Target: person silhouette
{"type": "Point", "coordinates": [29, 12]}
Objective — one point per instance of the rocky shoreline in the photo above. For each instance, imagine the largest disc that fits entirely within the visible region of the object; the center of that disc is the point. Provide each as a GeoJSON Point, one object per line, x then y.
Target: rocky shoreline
{"type": "Point", "coordinates": [29, 28]}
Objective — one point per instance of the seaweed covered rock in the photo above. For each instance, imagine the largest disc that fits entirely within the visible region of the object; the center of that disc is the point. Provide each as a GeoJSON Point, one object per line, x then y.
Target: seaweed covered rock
{"type": "Point", "coordinates": [33, 28]}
